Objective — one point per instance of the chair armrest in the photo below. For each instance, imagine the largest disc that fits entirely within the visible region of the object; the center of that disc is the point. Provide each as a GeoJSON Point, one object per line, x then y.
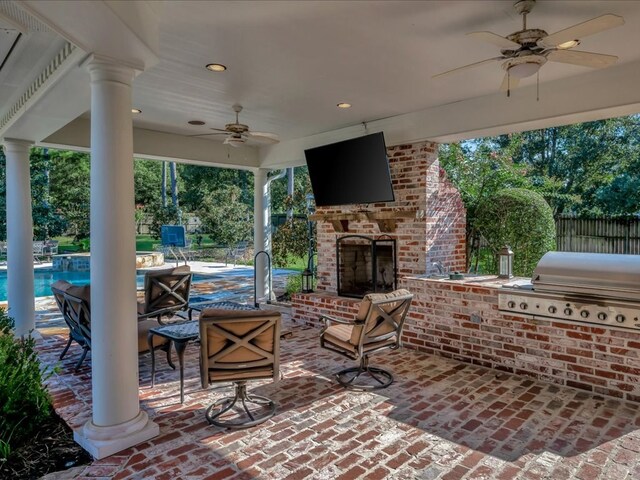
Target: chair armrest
{"type": "Point", "coordinates": [329, 318]}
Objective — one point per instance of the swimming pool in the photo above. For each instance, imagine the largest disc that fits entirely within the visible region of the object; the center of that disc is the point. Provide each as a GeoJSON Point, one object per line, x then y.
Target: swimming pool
{"type": "Point", "coordinates": [43, 278]}
{"type": "Point", "coordinates": [241, 279]}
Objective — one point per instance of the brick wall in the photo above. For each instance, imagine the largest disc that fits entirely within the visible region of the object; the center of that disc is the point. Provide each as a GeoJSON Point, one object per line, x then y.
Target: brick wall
{"type": "Point", "coordinates": [597, 359]}
{"type": "Point", "coordinates": [600, 360]}
{"type": "Point", "coordinates": [419, 184]}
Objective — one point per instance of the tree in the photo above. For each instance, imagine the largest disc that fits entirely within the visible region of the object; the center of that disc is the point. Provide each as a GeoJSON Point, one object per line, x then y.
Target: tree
{"type": "Point", "coordinates": [70, 189]}
{"type": "Point", "coordinates": [521, 219]}
{"type": "Point", "coordinates": [227, 219]}
{"type": "Point", "coordinates": [146, 175]}
{"type": "Point", "coordinates": [46, 221]}
{"type": "Point", "coordinates": [479, 170]}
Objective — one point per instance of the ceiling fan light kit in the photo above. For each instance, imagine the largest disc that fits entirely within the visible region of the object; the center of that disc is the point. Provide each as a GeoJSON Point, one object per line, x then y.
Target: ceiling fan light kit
{"type": "Point", "coordinates": [237, 134]}
{"type": "Point", "coordinates": [527, 50]}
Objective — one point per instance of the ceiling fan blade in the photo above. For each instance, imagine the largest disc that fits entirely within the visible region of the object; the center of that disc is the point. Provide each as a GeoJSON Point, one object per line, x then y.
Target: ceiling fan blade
{"type": "Point", "coordinates": [219, 130]}
{"type": "Point", "coordinates": [207, 134]}
{"type": "Point", "coordinates": [581, 30]}
{"type": "Point", "coordinates": [495, 39]}
{"type": "Point", "coordinates": [584, 59]}
{"type": "Point", "coordinates": [509, 82]}
{"type": "Point", "coordinates": [263, 137]}
{"type": "Point", "coordinates": [471, 65]}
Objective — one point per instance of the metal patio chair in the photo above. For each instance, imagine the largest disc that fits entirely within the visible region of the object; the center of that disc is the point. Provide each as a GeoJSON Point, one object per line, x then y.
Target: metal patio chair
{"type": "Point", "coordinates": [165, 293]}
{"type": "Point", "coordinates": [378, 326]}
{"type": "Point", "coordinates": [239, 346]}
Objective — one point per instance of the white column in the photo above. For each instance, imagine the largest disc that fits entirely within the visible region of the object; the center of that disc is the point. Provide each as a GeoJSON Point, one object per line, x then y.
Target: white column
{"type": "Point", "coordinates": [117, 421]}
{"type": "Point", "coordinates": [261, 229]}
{"type": "Point", "coordinates": [20, 294]}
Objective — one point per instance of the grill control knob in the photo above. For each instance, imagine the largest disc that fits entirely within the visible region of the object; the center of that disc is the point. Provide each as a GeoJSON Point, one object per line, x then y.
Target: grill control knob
{"type": "Point", "coordinates": [552, 309]}
{"type": "Point", "coordinates": [584, 314]}
{"type": "Point", "coordinates": [568, 311]}
{"type": "Point", "coordinates": [602, 316]}
{"type": "Point", "coordinates": [620, 318]}
{"type": "Point", "coordinates": [511, 304]}
{"type": "Point", "coordinates": [524, 306]}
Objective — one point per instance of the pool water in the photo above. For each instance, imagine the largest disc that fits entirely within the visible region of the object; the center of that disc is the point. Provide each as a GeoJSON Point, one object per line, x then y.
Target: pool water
{"type": "Point", "coordinates": [231, 282]}
{"type": "Point", "coordinates": [44, 278]}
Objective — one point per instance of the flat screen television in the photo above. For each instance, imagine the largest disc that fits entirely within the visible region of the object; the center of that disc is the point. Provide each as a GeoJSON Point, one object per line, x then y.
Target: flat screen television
{"type": "Point", "coordinates": [352, 171]}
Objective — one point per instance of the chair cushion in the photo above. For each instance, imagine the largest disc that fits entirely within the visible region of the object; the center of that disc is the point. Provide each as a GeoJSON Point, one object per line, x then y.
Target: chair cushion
{"type": "Point", "coordinates": [143, 330]}
{"type": "Point", "coordinates": [376, 326]}
{"type": "Point", "coordinates": [220, 375]}
{"type": "Point", "coordinates": [345, 345]}
{"type": "Point", "coordinates": [83, 292]}
{"type": "Point", "coordinates": [217, 342]}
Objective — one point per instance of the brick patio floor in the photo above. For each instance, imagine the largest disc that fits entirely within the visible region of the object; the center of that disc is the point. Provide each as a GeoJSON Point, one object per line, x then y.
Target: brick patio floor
{"type": "Point", "coordinates": [441, 419]}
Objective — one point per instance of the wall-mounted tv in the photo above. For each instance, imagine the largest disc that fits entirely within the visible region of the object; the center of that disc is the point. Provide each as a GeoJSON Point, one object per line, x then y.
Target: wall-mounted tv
{"type": "Point", "coordinates": [352, 171]}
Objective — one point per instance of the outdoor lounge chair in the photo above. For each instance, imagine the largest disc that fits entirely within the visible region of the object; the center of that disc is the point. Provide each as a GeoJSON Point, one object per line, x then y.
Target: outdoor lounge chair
{"type": "Point", "coordinates": [239, 346]}
{"type": "Point", "coordinates": [235, 253]}
{"type": "Point", "coordinates": [74, 304]}
{"type": "Point", "coordinates": [377, 327]}
{"type": "Point", "coordinates": [165, 293]}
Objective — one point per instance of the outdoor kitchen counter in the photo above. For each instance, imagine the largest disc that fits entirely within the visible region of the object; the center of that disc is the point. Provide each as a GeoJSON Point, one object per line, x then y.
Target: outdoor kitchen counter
{"type": "Point", "coordinates": [460, 319]}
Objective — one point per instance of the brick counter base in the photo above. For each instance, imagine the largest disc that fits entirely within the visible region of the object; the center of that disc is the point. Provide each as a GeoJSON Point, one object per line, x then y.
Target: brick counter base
{"type": "Point", "coordinates": [601, 360]}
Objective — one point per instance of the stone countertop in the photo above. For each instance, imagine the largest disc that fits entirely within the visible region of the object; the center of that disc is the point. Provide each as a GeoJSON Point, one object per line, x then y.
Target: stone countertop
{"type": "Point", "coordinates": [489, 281]}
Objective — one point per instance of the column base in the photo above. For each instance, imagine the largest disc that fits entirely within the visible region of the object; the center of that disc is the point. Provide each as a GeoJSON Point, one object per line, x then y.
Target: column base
{"type": "Point", "coordinates": [102, 442]}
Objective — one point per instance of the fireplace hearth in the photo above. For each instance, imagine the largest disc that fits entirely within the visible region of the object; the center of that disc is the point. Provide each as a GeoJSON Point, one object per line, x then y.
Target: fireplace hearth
{"type": "Point", "coordinates": [365, 265]}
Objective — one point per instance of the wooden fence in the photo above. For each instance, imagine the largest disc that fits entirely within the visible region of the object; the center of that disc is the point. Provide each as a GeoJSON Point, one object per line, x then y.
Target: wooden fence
{"type": "Point", "coordinates": [598, 235]}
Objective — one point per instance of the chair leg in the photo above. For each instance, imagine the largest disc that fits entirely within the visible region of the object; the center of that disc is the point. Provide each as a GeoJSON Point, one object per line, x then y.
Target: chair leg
{"type": "Point", "coordinates": [246, 417]}
{"type": "Point", "coordinates": [349, 376]}
{"type": "Point", "coordinates": [84, 354]}
{"type": "Point", "coordinates": [167, 349]}
{"type": "Point", "coordinates": [66, 348]}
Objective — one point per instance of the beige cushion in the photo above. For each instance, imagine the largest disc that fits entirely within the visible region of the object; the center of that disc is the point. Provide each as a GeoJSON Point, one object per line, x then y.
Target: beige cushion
{"type": "Point", "coordinates": [82, 292]}
{"type": "Point", "coordinates": [375, 325]}
{"type": "Point", "coordinates": [218, 375]}
{"type": "Point", "coordinates": [143, 330]}
{"type": "Point", "coordinates": [217, 342]}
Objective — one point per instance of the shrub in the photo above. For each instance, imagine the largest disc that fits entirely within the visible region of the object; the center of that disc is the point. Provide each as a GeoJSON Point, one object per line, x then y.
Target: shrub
{"type": "Point", "coordinates": [24, 401]}
{"type": "Point", "coordinates": [521, 219]}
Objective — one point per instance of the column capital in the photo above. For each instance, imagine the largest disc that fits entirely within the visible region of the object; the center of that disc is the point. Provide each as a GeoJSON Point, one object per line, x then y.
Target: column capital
{"type": "Point", "coordinates": [102, 68]}
{"type": "Point", "coordinates": [17, 145]}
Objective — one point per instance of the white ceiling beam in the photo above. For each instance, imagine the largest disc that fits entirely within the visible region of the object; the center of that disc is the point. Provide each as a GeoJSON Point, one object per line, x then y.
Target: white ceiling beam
{"type": "Point", "coordinates": [599, 94]}
{"type": "Point", "coordinates": [154, 145]}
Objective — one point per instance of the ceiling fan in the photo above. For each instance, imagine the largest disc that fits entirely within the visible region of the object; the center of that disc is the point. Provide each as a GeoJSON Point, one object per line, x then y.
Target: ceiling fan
{"type": "Point", "coordinates": [526, 50]}
{"type": "Point", "coordinates": [237, 134]}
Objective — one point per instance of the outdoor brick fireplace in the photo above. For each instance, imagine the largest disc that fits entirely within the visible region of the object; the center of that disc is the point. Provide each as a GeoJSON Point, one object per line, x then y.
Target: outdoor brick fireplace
{"type": "Point", "coordinates": [425, 224]}
{"type": "Point", "coordinates": [365, 265]}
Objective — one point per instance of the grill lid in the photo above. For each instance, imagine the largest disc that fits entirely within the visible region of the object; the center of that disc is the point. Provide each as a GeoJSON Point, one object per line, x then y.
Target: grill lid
{"type": "Point", "coordinates": [602, 274]}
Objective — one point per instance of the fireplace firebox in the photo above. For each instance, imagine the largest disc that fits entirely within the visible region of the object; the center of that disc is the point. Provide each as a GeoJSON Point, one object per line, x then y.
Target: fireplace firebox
{"type": "Point", "coordinates": [365, 265]}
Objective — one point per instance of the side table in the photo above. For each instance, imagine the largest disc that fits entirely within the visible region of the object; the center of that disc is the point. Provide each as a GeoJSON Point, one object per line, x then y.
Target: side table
{"type": "Point", "coordinates": [180, 334]}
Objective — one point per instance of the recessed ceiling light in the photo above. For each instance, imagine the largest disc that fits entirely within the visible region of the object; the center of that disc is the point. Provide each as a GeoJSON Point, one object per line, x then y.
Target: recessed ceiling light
{"type": "Point", "coordinates": [136, 110]}
{"type": "Point", "coordinates": [216, 67]}
{"type": "Point", "coordinates": [569, 44]}
{"type": "Point", "coordinates": [344, 105]}
{"type": "Point", "coordinates": [195, 122]}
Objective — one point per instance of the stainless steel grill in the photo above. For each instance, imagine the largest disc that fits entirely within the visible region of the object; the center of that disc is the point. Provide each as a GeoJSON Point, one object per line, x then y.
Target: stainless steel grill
{"type": "Point", "coordinates": [602, 289]}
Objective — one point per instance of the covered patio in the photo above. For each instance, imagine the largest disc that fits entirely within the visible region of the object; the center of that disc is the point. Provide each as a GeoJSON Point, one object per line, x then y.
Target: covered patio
{"type": "Point", "coordinates": [441, 419]}
{"type": "Point", "coordinates": [74, 73]}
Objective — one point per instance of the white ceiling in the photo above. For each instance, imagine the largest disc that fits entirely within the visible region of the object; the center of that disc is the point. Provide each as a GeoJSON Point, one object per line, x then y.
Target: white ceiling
{"type": "Point", "coordinates": [291, 62]}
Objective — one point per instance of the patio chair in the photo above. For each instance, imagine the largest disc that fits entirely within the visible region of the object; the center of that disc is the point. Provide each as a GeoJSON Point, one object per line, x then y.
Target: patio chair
{"type": "Point", "coordinates": [235, 253]}
{"type": "Point", "coordinates": [165, 293]}
{"type": "Point", "coordinates": [74, 304]}
{"type": "Point", "coordinates": [239, 346]}
{"type": "Point", "coordinates": [377, 327]}
{"type": "Point", "coordinates": [38, 251]}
